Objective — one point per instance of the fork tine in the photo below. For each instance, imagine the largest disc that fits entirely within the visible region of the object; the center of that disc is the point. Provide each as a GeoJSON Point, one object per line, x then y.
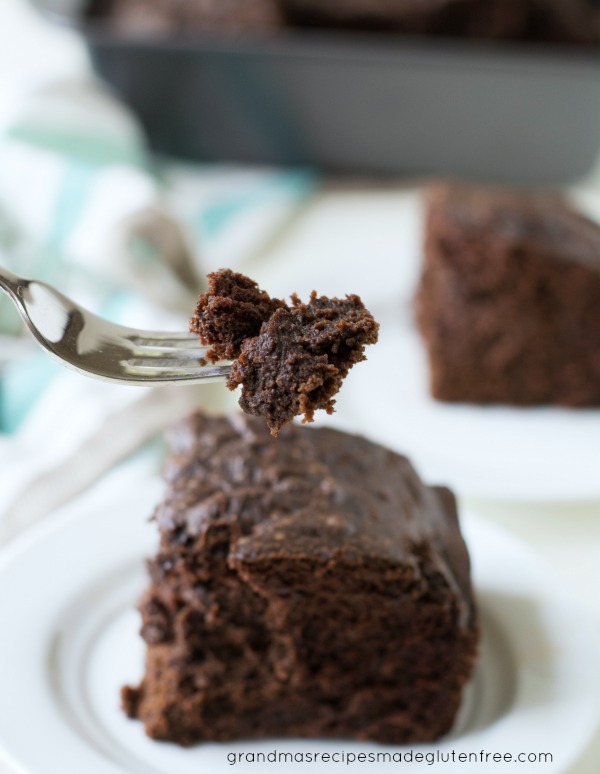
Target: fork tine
{"type": "Point", "coordinates": [167, 369]}
{"type": "Point", "coordinates": [173, 353]}
{"type": "Point", "coordinates": [163, 335]}
{"type": "Point", "coordinates": [157, 339]}
{"type": "Point", "coordinates": [153, 344]}
{"type": "Point", "coordinates": [167, 362]}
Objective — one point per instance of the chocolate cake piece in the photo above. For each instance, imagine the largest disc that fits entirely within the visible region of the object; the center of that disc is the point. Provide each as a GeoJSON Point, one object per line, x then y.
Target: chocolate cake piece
{"type": "Point", "coordinates": [308, 586]}
{"type": "Point", "coordinates": [509, 299]}
{"type": "Point", "coordinates": [291, 360]}
{"type": "Point", "coordinates": [575, 21]}
{"type": "Point", "coordinates": [189, 17]}
{"type": "Point", "coordinates": [298, 361]}
{"type": "Point", "coordinates": [232, 310]}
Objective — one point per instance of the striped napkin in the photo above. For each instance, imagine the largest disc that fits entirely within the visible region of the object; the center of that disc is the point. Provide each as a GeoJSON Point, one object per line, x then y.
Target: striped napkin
{"type": "Point", "coordinates": [85, 206]}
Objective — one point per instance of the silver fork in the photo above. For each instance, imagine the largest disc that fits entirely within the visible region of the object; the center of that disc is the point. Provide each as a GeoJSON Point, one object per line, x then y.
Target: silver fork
{"type": "Point", "coordinates": [96, 347]}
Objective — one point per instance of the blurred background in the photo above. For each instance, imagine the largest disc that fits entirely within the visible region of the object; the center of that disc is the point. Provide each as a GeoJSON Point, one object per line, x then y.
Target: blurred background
{"type": "Point", "coordinates": [144, 143]}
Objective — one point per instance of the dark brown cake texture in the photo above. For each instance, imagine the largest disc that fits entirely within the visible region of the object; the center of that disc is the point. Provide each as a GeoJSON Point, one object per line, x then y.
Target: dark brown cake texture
{"type": "Point", "coordinates": [566, 21]}
{"type": "Point", "coordinates": [509, 298]}
{"type": "Point", "coordinates": [289, 360]}
{"type": "Point", "coordinates": [306, 586]}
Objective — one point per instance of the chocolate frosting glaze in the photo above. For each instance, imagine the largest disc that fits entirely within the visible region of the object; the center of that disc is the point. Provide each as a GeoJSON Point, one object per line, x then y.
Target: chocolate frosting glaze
{"type": "Point", "coordinates": [313, 492]}
{"type": "Point", "coordinates": [305, 586]}
{"type": "Point", "coordinates": [540, 222]}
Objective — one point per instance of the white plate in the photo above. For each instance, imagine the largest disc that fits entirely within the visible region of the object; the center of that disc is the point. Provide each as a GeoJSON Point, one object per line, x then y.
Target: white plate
{"type": "Point", "coordinates": [371, 244]}
{"type": "Point", "coordinates": [496, 453]}
{"type": "Point", "coordinates": [69, 641]}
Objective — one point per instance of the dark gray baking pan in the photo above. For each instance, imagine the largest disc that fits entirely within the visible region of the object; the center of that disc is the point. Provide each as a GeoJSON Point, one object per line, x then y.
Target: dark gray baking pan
{"type": "Point", "coordinates": [358, 104]}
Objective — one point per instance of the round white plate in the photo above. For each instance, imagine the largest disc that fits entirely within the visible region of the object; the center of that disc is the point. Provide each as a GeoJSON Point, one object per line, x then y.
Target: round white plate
{"type": "Point", "coordinates": [488, 452]}
{"type": "Point", "coordinates": [371, 245]}
{"type": "Point", "coordinates": [69, 641]}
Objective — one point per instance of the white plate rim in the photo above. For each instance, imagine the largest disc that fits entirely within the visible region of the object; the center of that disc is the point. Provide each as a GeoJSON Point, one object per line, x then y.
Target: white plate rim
{"type": "Point", "coordinates": [586, 706]}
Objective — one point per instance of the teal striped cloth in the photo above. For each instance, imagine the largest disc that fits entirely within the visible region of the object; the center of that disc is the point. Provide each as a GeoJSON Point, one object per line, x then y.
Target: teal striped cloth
{"type": "Point", "coordinates": [85, 206]}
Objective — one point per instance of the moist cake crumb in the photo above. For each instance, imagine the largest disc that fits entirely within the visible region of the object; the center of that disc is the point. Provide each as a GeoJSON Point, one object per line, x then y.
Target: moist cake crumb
{"type": "Point", "coordinates": [290, 360]}
{"type": "Point", "coordinates": [231, 311]}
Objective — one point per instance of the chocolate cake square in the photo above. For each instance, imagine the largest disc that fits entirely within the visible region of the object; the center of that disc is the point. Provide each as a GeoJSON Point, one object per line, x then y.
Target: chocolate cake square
{"type": "Point", "coordinates": [509, 299]}
{"type": "Point", "coordinates": [308, 585]}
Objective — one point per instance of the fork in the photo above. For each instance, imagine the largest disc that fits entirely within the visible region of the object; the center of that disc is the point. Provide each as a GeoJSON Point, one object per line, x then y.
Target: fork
{"type": "Point", "coordinates": [96, 347]}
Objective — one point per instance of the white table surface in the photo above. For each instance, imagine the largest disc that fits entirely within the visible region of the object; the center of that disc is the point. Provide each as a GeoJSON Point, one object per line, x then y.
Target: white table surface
{"type": "Point", "coordinates": [567, 536]}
